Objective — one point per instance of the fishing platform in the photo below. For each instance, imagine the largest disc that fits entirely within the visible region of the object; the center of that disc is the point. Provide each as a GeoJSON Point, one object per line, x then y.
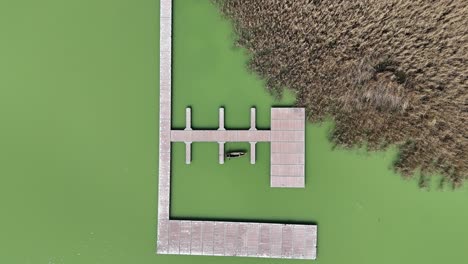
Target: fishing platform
{"type": "Point", "coordinates": [286, 137]}
{"type": "Point", "coordinates": [225, 238]}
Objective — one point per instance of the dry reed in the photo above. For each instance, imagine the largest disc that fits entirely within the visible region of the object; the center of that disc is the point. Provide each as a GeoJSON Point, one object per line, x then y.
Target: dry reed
{"type": "Point", "coordinates": [387, 72]}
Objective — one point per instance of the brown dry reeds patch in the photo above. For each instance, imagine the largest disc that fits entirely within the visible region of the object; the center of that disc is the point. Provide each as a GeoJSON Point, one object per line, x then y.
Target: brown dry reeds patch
{"type": "Point", "coordinates": [387, 72]}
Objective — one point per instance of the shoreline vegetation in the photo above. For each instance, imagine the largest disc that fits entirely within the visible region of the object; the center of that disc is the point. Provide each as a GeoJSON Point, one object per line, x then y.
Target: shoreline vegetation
{"type": "Point", "coordinates": [386, 72]}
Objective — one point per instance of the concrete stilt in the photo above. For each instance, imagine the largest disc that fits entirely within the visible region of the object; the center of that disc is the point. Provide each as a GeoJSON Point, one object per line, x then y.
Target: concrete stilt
{"type": "Point", "coordinates": [252, 152]}
{"type": "Point", "coordinates": [221, 119]}
{"type": "Point", "coordinates": [188, 118]}
{"type": "Point", "coordinates": [221, 152]}
{"type": "Point", "coordinates": [188, 152]}
{"type": "Point", "coordinates": [252, 118]}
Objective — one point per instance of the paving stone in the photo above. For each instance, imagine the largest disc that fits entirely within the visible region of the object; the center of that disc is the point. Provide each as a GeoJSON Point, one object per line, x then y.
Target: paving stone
{"type": "Point", "coordinates": [196, 239]}
{"type": "Point", "coordinates": [207, 235]}
{"type": "Point", "coordinates": [185, 237]}
{"type": "Point", "coordinates": [174, 235]}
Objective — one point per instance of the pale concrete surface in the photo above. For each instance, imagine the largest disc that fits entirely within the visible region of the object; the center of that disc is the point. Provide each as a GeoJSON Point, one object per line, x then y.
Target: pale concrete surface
{"type": "Point", "coordinates": [214, 238]}
{"type": "Point", "coordinates": [287, 147]}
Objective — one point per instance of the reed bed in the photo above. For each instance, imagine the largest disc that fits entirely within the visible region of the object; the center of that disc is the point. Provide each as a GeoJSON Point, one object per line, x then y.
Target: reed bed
{"type": "Point", "coordinates": [388, 72]}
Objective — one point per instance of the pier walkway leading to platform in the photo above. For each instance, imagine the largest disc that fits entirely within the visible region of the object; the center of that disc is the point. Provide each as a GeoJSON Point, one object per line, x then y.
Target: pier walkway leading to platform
{"type": "Point", "coordinates": [286, 137]}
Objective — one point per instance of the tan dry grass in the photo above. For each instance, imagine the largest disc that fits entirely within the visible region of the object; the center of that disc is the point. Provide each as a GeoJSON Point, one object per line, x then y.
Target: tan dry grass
{"type": "Point", "coordinates": [387, 72]}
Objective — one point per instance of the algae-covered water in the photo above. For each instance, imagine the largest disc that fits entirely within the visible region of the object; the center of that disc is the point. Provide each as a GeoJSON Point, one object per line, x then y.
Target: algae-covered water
{"type": "Point", "coordinates": [78, 147]}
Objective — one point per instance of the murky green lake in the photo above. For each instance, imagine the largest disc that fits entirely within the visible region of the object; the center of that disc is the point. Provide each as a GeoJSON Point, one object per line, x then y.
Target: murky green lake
{"type": "Point", "coordinates": [79, 139]}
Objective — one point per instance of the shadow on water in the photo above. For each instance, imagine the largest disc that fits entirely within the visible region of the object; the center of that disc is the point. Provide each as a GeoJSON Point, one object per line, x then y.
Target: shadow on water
{"type": "Point", "coordinates": [244, 220]}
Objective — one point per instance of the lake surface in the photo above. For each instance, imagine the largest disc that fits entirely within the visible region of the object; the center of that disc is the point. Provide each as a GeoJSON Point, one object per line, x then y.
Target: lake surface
{"type": "Point", "coordinates": [79, 140]}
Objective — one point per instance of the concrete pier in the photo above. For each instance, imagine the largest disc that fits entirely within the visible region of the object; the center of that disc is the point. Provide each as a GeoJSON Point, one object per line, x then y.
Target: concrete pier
{"type": "Point", "coordinates": [252, 152]}
{"type": "Point", "coordinates": [221, 152]}
{"type": "Point", "coordinates": [223, 238]}
{"type": "Point", "coordinates": [286, 136]}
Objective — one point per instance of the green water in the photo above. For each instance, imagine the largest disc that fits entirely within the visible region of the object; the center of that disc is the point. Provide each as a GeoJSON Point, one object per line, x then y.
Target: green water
{"type": "Point", "coordinates": [78, 148]}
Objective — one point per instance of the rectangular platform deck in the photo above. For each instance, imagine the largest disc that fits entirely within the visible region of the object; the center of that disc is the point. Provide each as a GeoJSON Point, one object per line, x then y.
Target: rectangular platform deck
{"type": "Point", "coordinates": [287, 147]}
